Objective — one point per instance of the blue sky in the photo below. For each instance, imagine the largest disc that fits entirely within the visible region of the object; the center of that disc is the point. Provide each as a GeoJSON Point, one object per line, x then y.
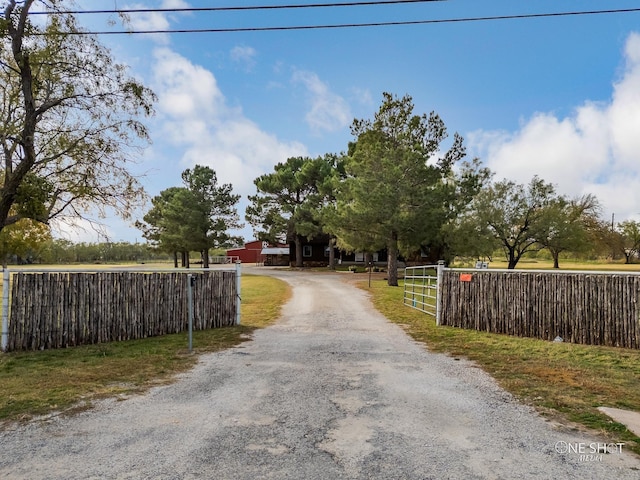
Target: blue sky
{"type": "Point", "coordinates": [555, 97]}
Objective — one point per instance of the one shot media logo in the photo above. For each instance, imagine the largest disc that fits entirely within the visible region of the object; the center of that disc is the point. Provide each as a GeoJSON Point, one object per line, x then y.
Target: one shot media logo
{"type": "Point", "coordinates": [586, 451]}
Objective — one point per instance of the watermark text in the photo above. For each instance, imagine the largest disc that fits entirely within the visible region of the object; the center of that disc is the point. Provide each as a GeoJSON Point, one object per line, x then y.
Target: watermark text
{"type": "Point", "coordinates": [589, 451]}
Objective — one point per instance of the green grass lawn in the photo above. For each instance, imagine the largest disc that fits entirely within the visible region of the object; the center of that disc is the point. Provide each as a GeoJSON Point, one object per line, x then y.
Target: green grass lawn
{"type": "Point", "coordinates": [36, 383]}
{"type": "Point", "coordinates": [561, 380]}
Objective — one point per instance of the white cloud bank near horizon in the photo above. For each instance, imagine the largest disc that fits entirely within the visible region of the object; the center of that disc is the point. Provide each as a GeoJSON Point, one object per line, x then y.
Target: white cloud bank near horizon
{"type": "Point", "coordinates": [595, 150]}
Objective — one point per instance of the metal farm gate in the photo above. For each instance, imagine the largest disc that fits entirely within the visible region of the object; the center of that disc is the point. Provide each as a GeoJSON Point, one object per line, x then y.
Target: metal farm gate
{"type": "Point", "coordinates": [422, 289]}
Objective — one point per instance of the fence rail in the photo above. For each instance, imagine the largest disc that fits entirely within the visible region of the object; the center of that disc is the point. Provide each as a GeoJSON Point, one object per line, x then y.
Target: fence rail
{"type": "Point", "coordinates": [55, 309]}
{"type": "Point", "coordinates": [224, 259]}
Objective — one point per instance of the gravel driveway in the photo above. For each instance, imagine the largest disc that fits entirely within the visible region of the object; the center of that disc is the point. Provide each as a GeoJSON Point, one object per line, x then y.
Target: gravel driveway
{"type": "Point", "coordinates": [332, 391]}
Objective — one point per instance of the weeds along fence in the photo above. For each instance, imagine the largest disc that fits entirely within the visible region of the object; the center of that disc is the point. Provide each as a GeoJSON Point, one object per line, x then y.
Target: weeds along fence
{"type": "Point", "coordinates": [594, 308]}
{"type": "Point", "coordinates": [58, 309]}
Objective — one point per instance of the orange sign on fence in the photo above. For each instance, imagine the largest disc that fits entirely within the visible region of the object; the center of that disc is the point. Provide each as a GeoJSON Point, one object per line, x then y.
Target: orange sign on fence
{"type": "Point", "coordinates": [465, 277]}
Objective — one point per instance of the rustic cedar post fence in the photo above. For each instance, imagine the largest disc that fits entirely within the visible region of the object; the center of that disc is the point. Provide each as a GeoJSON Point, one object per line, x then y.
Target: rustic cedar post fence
{"type": "Point", "coordinates": [54, 308]}
{"type": "Point", "coordinates": [587, 307]}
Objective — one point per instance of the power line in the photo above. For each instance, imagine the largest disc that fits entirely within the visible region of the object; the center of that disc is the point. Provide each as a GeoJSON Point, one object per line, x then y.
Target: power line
{"type": "Point", "coordinates": [234, 8]}
{"type": "Point", "coordinates": [354, 25]}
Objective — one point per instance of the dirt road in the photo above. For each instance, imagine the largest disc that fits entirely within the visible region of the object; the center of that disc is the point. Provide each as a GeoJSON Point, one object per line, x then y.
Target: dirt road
{"type": "Point", "coordinates": [332, 391]}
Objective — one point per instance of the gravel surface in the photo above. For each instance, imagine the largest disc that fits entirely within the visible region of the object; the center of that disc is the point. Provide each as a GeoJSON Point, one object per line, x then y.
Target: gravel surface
{"type": "Point", "coordinates": [332, 391]}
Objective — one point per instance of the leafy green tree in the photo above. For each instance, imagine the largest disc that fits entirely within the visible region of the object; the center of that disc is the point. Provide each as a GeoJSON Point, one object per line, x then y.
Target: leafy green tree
{"type": "Point", "coordinates": [511, 214]}
{"type": "Point", "coordinates": [604, 239]}
{"type": "Point", "coordinates": [209, 212]}
{"type": "Point", "coordinates": [57, 251]}
{"type": "Point", "coordinates": [629, 243]}
{"type": "Point", "coordinates": [328, 188]}
{"type": "Point", "coordinates": [23, 239]}
{"type": "Point", "coordinates": [395, 189]}
{"type": "Point", "coordinates": [161, 225]}
{"type": "Point", "coordinates": [451, 200]}
{"type": "Point", "coordinates": [289, 201]}
{"type": "Point", "coordinates": [195, 217]}
{"type": "Point", "coordinates": [564, 225]}
{"type": "Point", "coordinates": [69, 119]}
{"type": "Point", "coordinates": [467, 238]}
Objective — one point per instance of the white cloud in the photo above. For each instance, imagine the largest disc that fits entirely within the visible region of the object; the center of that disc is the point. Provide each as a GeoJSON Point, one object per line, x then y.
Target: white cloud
{"type": "Point", "coordinates": [198, 120]}
{"type": "Point", "coordinates": [244, 56]}
{"type": "Point", "coordinates": [155, 20]}
{"type": "Point", "coordinates": [328, 111]}
{"type": "Point", "coordinates": [81, 230]}
{"type": "Point", "coordinates": [594, 150]}
{"type": "Point", "coordinates": [175, 4]}
{"type": "Point", "coordinates": [185, 90]}
{"type": "Point", "coordinates": [363, 96]}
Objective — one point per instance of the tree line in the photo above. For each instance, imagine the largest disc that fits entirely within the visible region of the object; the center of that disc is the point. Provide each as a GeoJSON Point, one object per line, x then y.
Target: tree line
{"type": "Point", "coordinates": [56, 251]}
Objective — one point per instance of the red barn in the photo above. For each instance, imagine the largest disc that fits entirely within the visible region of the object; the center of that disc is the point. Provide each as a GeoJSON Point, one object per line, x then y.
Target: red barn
{"type": "Point", "coordinates": [252, 253]}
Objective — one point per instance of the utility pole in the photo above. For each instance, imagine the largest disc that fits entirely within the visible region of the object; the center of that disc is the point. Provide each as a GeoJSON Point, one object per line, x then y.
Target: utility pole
{"type": "Point", "coordinates": [613, 251]}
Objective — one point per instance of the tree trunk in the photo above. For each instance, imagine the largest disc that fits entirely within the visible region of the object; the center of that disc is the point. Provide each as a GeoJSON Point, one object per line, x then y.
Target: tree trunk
{"type": "Point", "coordinates": [392, 260]}
{"type": "Point", "coordinates": [298, 242]}
{"type": "Point", "coordinates": [513, 259]}
{"type": "Point", "coordinates": [175, 259]}
{"type": "Point", "coordinates": [205, 258]}
{"type": "Point", "coordinates": [185, 259]}
{"type": "Point", "coordinates": [332, 253]}
{"type": "Point", "coordinates": [13, 177]}
{"type": "Point", "coordinates": [556, 262]}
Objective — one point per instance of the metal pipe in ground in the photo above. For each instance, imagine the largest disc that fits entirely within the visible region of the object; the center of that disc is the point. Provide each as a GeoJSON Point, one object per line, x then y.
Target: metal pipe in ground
{"type": "Point", "coordinates": [238, 285]}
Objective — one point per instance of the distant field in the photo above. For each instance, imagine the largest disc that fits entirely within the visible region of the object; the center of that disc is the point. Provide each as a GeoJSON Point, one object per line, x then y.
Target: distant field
{"type": "Point", "coordinates": [544, 264]}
